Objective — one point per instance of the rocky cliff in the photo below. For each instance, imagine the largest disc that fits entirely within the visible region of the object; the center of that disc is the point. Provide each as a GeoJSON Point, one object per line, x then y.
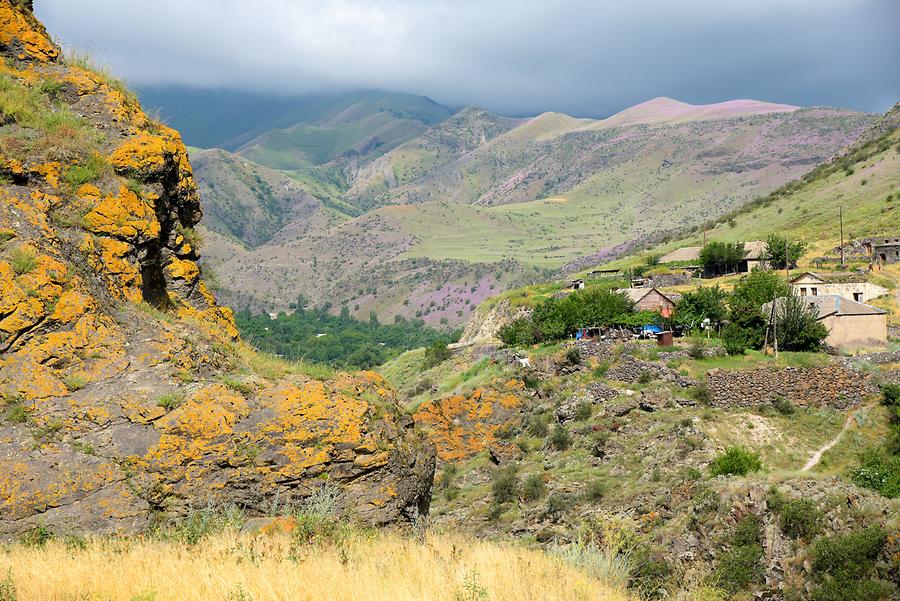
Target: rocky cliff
{"type": "Point", "coordinates": [126, 395]}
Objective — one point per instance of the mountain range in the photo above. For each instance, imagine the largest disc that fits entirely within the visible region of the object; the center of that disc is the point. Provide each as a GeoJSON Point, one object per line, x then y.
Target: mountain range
{"type": "Point", "coordinates": [391, 203]}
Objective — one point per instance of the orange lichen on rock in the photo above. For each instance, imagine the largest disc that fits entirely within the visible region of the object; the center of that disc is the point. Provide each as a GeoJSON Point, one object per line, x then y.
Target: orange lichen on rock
{"type": "Point", "coordinates": [463, 425]}
{"type": "Point", "coordinates": [24, 35]}
{"type": "Point", "coordinates": [123, 216]}
{"type": "Point", "coordinates": [107, 257]}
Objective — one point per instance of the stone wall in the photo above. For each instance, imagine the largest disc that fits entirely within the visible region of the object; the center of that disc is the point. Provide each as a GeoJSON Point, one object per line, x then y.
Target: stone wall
{"type": "Point", "coordinates": [832, 386]}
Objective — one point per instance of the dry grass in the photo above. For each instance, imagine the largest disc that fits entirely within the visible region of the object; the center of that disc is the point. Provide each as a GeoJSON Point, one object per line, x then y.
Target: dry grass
{"type": "Point", "coordinates": [232, 566]}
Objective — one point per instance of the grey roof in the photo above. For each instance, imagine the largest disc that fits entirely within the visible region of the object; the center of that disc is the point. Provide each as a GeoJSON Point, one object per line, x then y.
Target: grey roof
{"type": "Point", "coordinates": [832, 304]}
{"type": "Point", "coordinates": [636, 294]}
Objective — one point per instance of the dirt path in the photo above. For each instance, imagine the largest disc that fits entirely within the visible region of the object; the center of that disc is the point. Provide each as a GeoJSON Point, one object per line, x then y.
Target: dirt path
{"type": "Point", "coordinates": [817, 456]}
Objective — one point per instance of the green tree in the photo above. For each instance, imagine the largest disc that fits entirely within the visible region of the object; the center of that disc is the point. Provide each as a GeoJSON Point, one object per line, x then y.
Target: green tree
{"type": "Point", "coordinates": [747, 321]}
{"type": "Point", "coordinates": [798, 326]}
{"type": "Point", "coordinates": [782, 252]}
{"type": "Point", "coordinates": [721, 257]}
{"type": "Point", "coordinates": [435, 354]}
{"type": "Point", "coordinates": [702, 303]}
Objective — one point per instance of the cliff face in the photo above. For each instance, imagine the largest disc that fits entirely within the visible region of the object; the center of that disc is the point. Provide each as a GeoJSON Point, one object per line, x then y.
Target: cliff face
{"type": "Point", "coordinates": [125, 392]}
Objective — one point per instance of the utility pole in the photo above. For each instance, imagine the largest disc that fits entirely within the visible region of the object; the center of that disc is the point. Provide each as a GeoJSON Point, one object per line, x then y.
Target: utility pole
{"type": "Point", "coordinates": [842, 235]}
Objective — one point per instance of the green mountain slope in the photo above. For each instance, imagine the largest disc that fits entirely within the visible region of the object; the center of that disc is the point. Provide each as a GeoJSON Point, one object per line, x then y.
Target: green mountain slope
{"type": "Point", "coordinates": [230, 119]}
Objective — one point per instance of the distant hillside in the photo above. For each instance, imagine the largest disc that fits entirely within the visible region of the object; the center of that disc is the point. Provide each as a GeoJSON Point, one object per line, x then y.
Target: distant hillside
{"type": "Point", "coordinates": [863, 179]}
{"type": "Point", "coordinates": [230, 119]}
{"type": "Point", "coordinates": [423, 220]}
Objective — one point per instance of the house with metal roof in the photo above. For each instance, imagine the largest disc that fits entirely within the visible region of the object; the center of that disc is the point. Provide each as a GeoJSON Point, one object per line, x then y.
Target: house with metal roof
{"type": "Point", "coordinates": [851, 325]}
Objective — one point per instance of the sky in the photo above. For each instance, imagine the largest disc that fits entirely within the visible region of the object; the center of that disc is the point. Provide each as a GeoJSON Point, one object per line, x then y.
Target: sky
{"type": "Point", "coordinates": [517, 57]}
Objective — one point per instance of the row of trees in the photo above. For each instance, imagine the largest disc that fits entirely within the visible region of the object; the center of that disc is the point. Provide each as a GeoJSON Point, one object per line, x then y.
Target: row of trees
{"type": "Point", "coordinates": [560, 318]}
{"type": "Point", "coordinates": [718, 258]}
{"type": "Point", "coordinates": [347, 342]}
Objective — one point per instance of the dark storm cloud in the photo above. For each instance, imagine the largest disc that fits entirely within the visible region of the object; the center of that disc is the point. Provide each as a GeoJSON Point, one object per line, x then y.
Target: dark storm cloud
{"type": "Point", "coordinates": [512, 56]}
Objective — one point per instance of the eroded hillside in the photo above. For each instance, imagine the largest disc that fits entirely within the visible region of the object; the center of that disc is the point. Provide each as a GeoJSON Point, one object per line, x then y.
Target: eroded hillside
{"type": "Point", "coordinates": [126, 396]}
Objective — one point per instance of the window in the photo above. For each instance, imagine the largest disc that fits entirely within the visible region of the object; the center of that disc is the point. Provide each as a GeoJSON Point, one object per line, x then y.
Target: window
{"type": "Point", "coordinates": [858, 297]}
{"type": "Point", "coordinates": [815, 291]}
{"type": "Point", "coordinates": [802, 291]}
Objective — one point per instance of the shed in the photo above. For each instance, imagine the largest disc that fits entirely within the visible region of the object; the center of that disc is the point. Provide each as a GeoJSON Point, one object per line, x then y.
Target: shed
{"type": "Point", "coordinates": [651, 299]}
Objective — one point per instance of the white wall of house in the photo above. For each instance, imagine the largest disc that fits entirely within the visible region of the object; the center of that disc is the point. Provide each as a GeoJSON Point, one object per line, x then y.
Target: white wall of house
{"type": "Point", "coordinates": [861, 292]}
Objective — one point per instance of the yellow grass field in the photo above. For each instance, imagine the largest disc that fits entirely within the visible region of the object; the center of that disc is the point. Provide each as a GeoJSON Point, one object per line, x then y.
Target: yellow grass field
{"type": "Point", "coordinates": [240, 567]}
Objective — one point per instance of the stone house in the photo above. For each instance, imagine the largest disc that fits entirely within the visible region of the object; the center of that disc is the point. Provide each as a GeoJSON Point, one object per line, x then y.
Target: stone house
{"type": "Point", "coordinates": [651, 299]}
{"type": "Point", "coordinates": [853, 288]}
{"type": "Point", "coordinates": [882, 250]}
{"type": "Point", "coordinates": [851, 325]}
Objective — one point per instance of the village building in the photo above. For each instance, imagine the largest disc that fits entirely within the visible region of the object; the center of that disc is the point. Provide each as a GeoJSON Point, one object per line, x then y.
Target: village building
{"type": "Point", "coordinates": [851, 325]}
{"type": "Point", "coordinates": [651, 299]}
{"type": "Point", "coordinates": [882, 250]}
{"type": "Point", "coordinates": [577, 284]}
{"type": "Point", "coordinates": [850, 287]}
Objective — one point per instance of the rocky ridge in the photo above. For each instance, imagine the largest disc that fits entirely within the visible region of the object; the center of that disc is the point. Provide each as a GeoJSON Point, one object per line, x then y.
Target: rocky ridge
{"type": "Point", "coordinates": [126, 396]}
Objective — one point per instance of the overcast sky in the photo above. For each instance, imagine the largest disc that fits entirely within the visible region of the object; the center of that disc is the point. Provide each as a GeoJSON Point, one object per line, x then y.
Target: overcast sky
{"type": "Point", "coordinates": [518, 57]}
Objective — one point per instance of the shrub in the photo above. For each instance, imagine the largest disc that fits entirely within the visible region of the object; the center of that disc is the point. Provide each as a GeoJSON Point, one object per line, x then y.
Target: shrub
{"type": "Point", "coordinates": [560, 439]}
{"type": "Point", "coordinates": [833, 589]}
{"type": "Point", "coordinates": [800, 518]}
{"type": "Point", "coordinates": [435, 354]}
{"type": "Point", "coordinates": [697, 347]}
{"type": "Point", "coordinates": [739, 567]}
{"type": "Point", "coordinates": [748, 531]}
{"type": "Point", "coordinates": [601, 370]}
{"type": "Point", "coordinates": [879, 471]}
{"type": "Point", "coordinates": [538, 426]}
{"type": "Point", "coordinates": [583, 411]}
{"type": "Point", "coordinates": [701, 393]}
{"type": "Point", "coordinates": [518, 332]}
{"type": "Point", "coordinates": [38, 536]}
{"type": "Point", "coordinates": [736, 461]}
{"type": "Point", "coordinates": [849, 556]}
{"type": "Point", "coordinates": [75, 382]}
{"type": "Point", "coordinates": [782, 405]}
{"type": "Point", "coordinates": [534, 487]}
{"type": "Point", "coordinates": [573, 356]}
{"type": "Point", "coordinates": [735, 339]}
{"type": "Point", "coordinates": [556, 504]}
{"type": "Point", "coordinates": [505, 485]}
{"type": "Point", "coordinates": [595, 490]}
{"type": "Point", "coordinates": [645, 378]}
{"type": "Point", "coordinates": [22, 261]}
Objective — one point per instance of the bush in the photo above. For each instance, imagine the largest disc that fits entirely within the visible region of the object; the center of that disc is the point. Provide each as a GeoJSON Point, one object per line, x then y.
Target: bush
{"type": "Point", "coordinates": [595, 490]}
{"type": "Point", "coordinates": [735, 461]}
{"type": "Point", "coordinates": [748, 531]}
{"type": "Point", "coordinates": [783, 405]}
{"type": "Point", "coordinates": [702, 303]}
{"type": "Point", "coordinates": [697, 348]}
{"type": "Point", "coordinates": [736, 340]}
{"type": "Point", "coordinates": [573, 356]}
{"type": "Point", "coordinates": [848, 557]}
{"type": "Point", "coordinates": [739, 567]}
{"type": "Point", "coordinates": [879, 471]}
{"type": "Point", "coordinates": [842, 590]}
{"type": "Point", "coordinates": [435, 354]}
{"type": "Point", "coordinates": [701, 393]}
{"type": "Point", "coordinates": [505, 485]}
{"type": "Point", "coordinates": [801, 519]}
{"type": "Point", "coordinates": [560, 439]}
{"type": "Point", "coordinates": [583, 411]}
{"type": "Point", "coordinates": [534, 487]}
{"type": "Point", "coordinates": [539, 426]}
